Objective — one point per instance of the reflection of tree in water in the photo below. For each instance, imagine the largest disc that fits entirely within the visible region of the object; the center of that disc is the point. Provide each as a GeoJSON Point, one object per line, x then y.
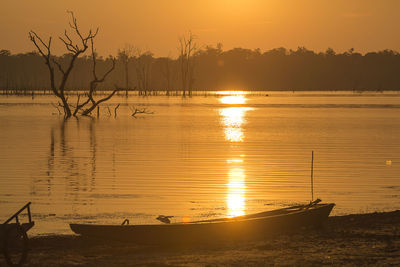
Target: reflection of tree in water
{"type": "Point", "coordinates": [93, 150]}
{"type": "Point", "coordinates": [50, 161]}
{"type": "Point", "coordinates": [69, 161]}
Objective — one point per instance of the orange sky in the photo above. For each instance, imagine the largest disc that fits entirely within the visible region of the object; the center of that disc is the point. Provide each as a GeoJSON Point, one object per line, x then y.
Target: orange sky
{"type": "Point", "coordinates": [366, 25]}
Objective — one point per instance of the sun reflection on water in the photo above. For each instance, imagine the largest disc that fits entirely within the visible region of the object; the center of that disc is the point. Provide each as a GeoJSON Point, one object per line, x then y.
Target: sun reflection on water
{"type": "Point", "coordinates": [233, 92]}
{"type": "Point", "coordinates": [233, 99]}
{"type": "Point", "coordinates": [233, 119]}
{"type": "Point", "coordinates": [236, 192]}
{"type": "Point", "coordinates": [234, 134]}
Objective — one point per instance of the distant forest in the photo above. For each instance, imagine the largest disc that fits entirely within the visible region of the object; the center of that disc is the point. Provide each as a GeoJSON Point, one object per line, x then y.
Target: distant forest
{"type": "Point", "coordinates": [216, 69]}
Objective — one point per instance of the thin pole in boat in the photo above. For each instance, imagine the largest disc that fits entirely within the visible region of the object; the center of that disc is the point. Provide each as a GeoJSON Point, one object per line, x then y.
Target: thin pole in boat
{"type": "Point", "coordinates": [312, 176]}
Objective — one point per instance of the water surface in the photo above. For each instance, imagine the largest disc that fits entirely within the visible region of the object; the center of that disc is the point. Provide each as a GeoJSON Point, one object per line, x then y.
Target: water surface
{"type": "Point", "coordinates": [201, 157]}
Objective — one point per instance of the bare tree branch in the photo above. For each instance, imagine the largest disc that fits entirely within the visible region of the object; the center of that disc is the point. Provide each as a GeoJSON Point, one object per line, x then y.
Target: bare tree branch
{"type": "Point", "coordinates": [186, 49]}
{"type": "Point", "coordinates": [96, 81]}
{"type": "Point", "coordinates": [136, 111]}
{"type": "Point", "coordinates": [76, 49]}
{"type": "Point", "coordinates": [58, 65]}
{"type": "Point", "coordinates": [115, 110]}
{"type": "Point", "coordinates": [34, 37]}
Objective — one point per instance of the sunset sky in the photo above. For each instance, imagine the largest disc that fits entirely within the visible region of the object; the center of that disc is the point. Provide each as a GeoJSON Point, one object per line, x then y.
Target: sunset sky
{"type": "Point", "coordinates": [366, 25]}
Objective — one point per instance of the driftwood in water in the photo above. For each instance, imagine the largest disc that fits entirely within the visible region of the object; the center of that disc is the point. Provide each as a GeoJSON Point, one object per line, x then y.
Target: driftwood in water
{"type": "Point", "coordinates": [136, 111]}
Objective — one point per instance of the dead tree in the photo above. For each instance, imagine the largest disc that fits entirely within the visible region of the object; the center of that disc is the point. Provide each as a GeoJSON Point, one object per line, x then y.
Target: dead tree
{"type": "Point", "coordinates": [168, 73]}
{"type": "Point", "coordinates": [143, 70]}
{"type": "Point", "coordinates": [187, 47]}
{"type": "Point", "coordinates": [93, 85]}
{"type": "Point", "coordinates": [76, 49]}
{"type": "Point", "coordinates": [125, 55]}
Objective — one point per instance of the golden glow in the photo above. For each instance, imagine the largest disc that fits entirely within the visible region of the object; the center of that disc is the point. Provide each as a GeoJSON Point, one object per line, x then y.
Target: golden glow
{"type": "Point", "coordinates": [236, 192]}
{"type": "Point", "coordinates": [234, 161]}
{"type": "Point", "coordinates": [186, 219]}
{"type": "Point", "coordinates": [233, 99]}
{"type": "Point", "coordinates": [234, 134]}
{"type": "Point", "coordinates": [232, 93]}
{"type": "Point", "coordinates": [233, 119]}
{"type": "Point", "coordinates": [238, 23]}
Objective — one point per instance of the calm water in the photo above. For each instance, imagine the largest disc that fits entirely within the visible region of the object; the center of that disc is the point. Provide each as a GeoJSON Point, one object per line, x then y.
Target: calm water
{"type": "Point", "coordinates": [199, 157]}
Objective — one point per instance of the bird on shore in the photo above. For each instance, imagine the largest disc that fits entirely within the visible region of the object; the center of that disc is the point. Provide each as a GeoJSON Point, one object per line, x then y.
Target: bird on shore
{"type": "Point", "coordinates": [164, 219]}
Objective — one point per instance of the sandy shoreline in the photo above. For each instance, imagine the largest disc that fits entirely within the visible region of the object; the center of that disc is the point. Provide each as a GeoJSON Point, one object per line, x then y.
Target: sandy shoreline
{"type": "Point", "coordinates": [353, 240]}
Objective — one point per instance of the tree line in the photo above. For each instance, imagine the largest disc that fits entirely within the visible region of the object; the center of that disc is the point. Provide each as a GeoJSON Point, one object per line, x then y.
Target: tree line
{"type": "Point", "coordinates": [211, 68]}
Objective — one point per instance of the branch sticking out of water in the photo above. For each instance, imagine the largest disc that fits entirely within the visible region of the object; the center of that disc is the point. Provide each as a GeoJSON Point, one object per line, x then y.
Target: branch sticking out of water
{"type": "Point", "coordinates": [115, 110]}
{"type": "Point", "coordinates": [136, 111]}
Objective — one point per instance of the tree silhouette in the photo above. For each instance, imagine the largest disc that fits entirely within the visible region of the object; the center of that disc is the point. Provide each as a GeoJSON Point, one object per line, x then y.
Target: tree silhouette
{"type": "Point", "coordinates": [187, 48]}
{"type": "Point", "coordinates": [75, 49]}
{"type": "Point", "coordinates": [215, 69]}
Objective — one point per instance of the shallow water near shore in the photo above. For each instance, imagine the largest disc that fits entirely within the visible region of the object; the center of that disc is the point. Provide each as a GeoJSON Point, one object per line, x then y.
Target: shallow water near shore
{"type": "Point", "coordinates": [351, 240]}
{"type": "Point", "coordinates": [198, 157]}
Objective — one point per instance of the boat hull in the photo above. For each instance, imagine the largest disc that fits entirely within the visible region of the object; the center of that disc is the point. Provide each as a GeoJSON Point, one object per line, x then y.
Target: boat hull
{"type": "Point", "coordinates": [250, 227]}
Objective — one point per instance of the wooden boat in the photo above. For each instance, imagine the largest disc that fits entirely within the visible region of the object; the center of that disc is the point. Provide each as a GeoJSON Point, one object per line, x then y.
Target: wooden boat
{"type": "Point", "coordinates": [247, 227]}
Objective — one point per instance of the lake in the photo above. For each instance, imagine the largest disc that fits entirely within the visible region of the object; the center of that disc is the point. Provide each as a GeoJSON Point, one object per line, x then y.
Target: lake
{"type": "Point", "coordinates": [206, 156]}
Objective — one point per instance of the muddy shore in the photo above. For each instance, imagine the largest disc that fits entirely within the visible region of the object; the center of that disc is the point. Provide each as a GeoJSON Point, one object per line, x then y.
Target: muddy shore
{"type": "Point", "coordinates": [352, 240]}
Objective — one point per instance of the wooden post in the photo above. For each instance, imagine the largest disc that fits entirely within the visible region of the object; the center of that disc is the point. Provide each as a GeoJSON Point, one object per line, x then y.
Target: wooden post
{"type": "Point", "coordinates": [312, 174]}
{"type": "Point", "coordinates": [29, 212]}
